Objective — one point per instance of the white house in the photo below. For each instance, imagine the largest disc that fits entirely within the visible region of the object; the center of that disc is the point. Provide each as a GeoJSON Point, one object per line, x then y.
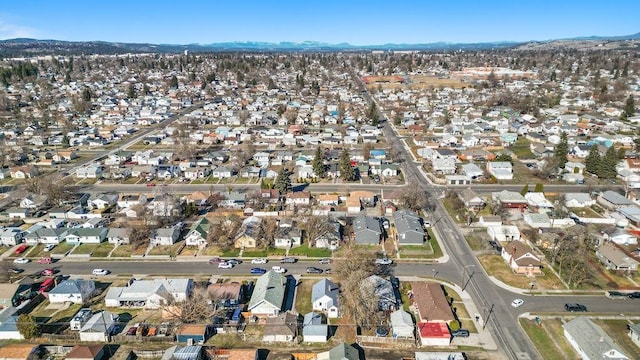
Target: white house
{"type": "Point", "coordinates": [166, 236]}
{"type": "Point", "coordinates": [402, 324]}
{"type": "Point", "coordinates": [10, 236]}
{"type": "Point", "coordinates": [324, 298]}
{"type": "Point", "coordinates": [578, 200]}
{"type": "Point", "coordinates": [149, 294]}
{"type": "Point", "coordinates": [590, 341]}
{"type": "Point", "coordinates": [501, 170]}
{"type": "Point", "coordinates": [99, 327]}
{"type": "Point", "coordinates": [76, 291]}
{"type": "Point", "coordinates": [504, 233]}
{"type": "Point", "coordinates": [8, 327]}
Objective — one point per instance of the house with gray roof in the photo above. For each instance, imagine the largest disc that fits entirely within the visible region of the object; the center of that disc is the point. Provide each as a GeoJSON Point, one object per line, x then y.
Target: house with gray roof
{"type": "Point", "coordinates": [8, 327]}
{"type": "Point", "coordinates": [612, 200]}
{"type": "Point", "coordinates": [166, 236]}
{"type": "Point", "coordinates": [509, 199]}
{"type": "Point", "coordinates": [76, 291]}
{"type": "Point", "coordinates": [614, 258]}
{"type": "Point", "coordinates": [402, 325]}
{"type": "Point", "coordinates": [409, 229]}
{"type": "Point", "coordinates": [367, 230]}
{"type": "Point", "coordinates": [119, 235]}
{"type": "Point", "coordinates": [86, 235]}
{"type": "Point", "coordinates": [314, 328]}
{"type": "Point", "coordinates": [268, 294]}
{"type": "Point", "coordinates": [340, 352]}
{"type": "Point", "coordinates": [325, 298]}
{"type": "Point", "coordinates": [634, 333]}
{"type": "Point", "coordinates": [149, 294]}
{"type": "Point", "coordinates": [99, 327]}
{"type": "Point", "coordinates": [578, 200]}
{"type": "Point", "coordinates": [382, 289]}
{"type": "Point", "coordinates": [281, 328]}
{"type": "Point", "coordinates": [590, 341]}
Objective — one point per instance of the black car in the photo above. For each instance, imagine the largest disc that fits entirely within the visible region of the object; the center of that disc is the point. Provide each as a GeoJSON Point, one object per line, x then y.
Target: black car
{"type": "Point", "coordinates": [288, 260]}
{"type": "Point", "coordinates": [575, 307]}
{"type": "Point", "coordinates": [460, 333]}
{"type": "Point", "coordinates": [15, 270]}
{"type": "Point", "coordinates": [234, 262]}
{"type": "Point", "coordinates": [634, 295]}
{"type": "Point", "coordinates": [314, 270]}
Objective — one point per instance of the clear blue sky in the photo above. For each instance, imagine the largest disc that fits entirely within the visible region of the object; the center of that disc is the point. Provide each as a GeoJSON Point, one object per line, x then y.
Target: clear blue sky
{"type": "Point", "coordinates": [332, 21]}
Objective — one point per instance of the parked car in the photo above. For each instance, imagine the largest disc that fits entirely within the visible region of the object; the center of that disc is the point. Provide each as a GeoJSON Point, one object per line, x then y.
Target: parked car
{"type": "Point", "coordinates": [225, 265]}
{"type": "Point", "coordinates": [634, 295]}
{"type": "Point", "coordinates": [21, 260]}
{"type": "Point", "coordinates": [151, 184]}
{"type": "Point", "coordinates": [22, 248]}
{"type": "Point", "coordinates": [234, 262]}
{"type": "Point", "coordinates": [325, 261]}
{"type": "Point", "coordinates": [15, 270]}
{"type": "Point", "coordinates": [100, 272]}
{"type": "Point", "coordinates": [279, 269]}
{"type": "Point", "coordinates": [45, 260]}
{"type": "Point", "coordinates": [314, 270]}
{"type": "Point", "coordinates": [617, 295]}
{"type": "Point", "coordinates": [259, 261]}
{"type": "Point", "coordinates": [132, 331]}
{"type": "Point", "coordinates": [215, 260]}
{"type": "Point", "coordinates": [517, 303]}
{"type": "Point", "coordinates": [575, 307]}
{"type": "Point", "coordinates": [328, 271]}
{"type": "Point", "coordinates": [258, 270]}
{"type": "Point", "coordinates": [49, 247]}
{"type": "Point", "coordinates": [47, 272]}
{"type": "Point", "coordinates": [384, 261]}
{"type": "Point", "coordinates": [460, 333]}
{"type": "Point", "coordinates": [288, 260]}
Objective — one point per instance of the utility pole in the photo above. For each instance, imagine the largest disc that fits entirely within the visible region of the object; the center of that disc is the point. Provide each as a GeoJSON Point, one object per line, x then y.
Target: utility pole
{"type": "Point", "coordinates": [487, 317]}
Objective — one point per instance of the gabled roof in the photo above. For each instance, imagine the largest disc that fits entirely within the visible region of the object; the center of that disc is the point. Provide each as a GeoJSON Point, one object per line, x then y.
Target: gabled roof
{"type": "Point", "coordinates": [71, 286]}
{"type": "Point", "coordinates": [340, 352]}
{"type": "Point", "coordinates": [270, 288]}
{"type": "Point", "coordinates": [84, 352]}
{"type": "Point", "coordinates": [431, 302]}
{"type": "Point", "coordinates": [592, 340]}
{"type": "Point", "coordinates": [325, 287]}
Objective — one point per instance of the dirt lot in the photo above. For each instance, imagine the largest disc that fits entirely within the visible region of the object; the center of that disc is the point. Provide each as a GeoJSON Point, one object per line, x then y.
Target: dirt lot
{"type": "Point", "coordinates": [416, 82]}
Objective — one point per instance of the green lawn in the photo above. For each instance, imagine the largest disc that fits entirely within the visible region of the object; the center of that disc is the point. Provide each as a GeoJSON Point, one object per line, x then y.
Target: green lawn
{"type": "Point", "coordinates": [85, 249]}
{"type": "Point", "coordinates": [521, 148]}
{"type": "Point", "coordinates": [495, 265]}
{"type": "Point", "coordinates": [123, 251]}
{"type": "Point", "coordinates": [303, 295]}
{"type": "Point", "coordinates": [304, 250]}
{"type": "Point", "coordinates": [103, 250]}
{"type": "Point", "coordinates": [62, 248]}
{"type": "Point", "coordinates": [37, 251]}
{"type": "Point", "coordinates": [543, 341]}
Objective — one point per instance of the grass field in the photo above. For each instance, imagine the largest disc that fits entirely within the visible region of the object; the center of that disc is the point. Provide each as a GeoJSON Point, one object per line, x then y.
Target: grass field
{"type": "Point", "coordinates": [102, 250]}
{"type": "Point", "coordinates": [85, 249]}
{"type": "Point", "coordinates": [548, 339]}
{"type": "Point", "coordinates": [495, 265]}
{"type": "Point", "coordinates": [62, 248]}
{"type": "Point", "coordinates": [303, 295]}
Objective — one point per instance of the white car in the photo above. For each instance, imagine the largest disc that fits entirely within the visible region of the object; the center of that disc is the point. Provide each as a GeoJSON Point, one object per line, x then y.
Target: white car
{"type": "Point", "coordinates": [517, 303]}
{"type": "Point", "coordinates": [279, 269]}
{"type": "Point", "coordinates": [259, 261]}
{"type": "Point", "coordinates": [225, 265]}
{"type": "Point", "coordinates": [49, 247]}
{"type": "Point", "coordinates": [384, 261]}
{"type": "Point", "coordinates": [21, 261]}
{"type": "Point", "coordinates": [100, 272]}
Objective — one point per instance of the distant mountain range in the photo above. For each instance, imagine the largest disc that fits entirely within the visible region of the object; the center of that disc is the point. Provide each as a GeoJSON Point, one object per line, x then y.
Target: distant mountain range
{"type": "Point", "coordinates": [27, 47]}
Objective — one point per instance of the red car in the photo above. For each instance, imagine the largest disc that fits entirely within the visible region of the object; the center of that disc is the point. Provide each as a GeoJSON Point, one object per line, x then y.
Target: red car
{"type": "Point", "coordinates": [47, 272]}
{"type": "Point", "coordinates": [45, 260]}
{"type": "Point", "coordinates": [215, 260]}
{"type": "Point", "coordinates": [22, 248]}
{"type": "Point", "coordinates": [151, 184]}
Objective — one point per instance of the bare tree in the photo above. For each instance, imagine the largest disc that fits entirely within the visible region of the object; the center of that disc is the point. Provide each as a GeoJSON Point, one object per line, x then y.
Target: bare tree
{"type": "Point", "coordinates": [413, 197]}
{"type": "Point", "coordinates": [316, 227]}
{"type": "Point", "coordinates": [195, 309]}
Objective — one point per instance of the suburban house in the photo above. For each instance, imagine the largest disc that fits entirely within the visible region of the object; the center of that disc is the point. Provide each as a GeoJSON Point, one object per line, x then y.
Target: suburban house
{"type": "Point", "coordinates": [430, 302]}
{"type": "Point", "coordinates": [86, 236]}
{"type": "Point", "coordinates": [325, 296]}
{"type": "Point", "coordinates": [381, 289]}
{"type": "Point", "coordinates": [76, 291]}
{"type": "Point", "coordinates": [10, 236]}
{"type": "Point", "coordinates": [367, 230]}
{"type": "Point", "coordinates": [149, 294]}
{"type": "Point", "coordinates": [166, 236]}
{"type": "Point", "coordinates": [590, 341]}
{"type": "Point", "coordinates": [340, 352]}
{"type": "Point", "coordinates": [186, 352]}
{"type": "Point", "coordinates": [615, 259]}
{"type": "Point", "coordinates": [611, 200]}
{"type": "Point", "coordinates": [102, 201]}
{"type": "Point", "coordinates": [247, 235]}
{"type": "Point", "coordinates": [402, 325]}
{"type": "Point", "coordinates": [8, 327]}
{"type": "Point", "coordinates": [99, 327]}
{"type": "Point", "coordinates": [331, 238]}
{"type": "Point", "coordinates": [315, 328]}
{"type": "Point", "coordinates": [634, 333]}
{"type": "Point", "coordinates": [501, 170]}
{"type": "Point", "coordinates": [86, 352]}
{"type": "Point", "coordinates": [197, 235]}
{"type": "Point", "coordinates": [196, 333]}
{"type": "Point", "coordinates": [434, 334]}
{"type": "Point", "coordinates": [504, 233]}
{"type": "Point", "coordinates": [472, 200]}
{"type": "Point", "coordinates": [268, 294]}
{"type": "Point", "coordinates": [537, 220]}
{"type": "Point", "coordinates": [521, 259]}
{"type": "Point", "coordinates": [281, 328]}
{"type": "Point", "coordinates": [226, 293]}
{"type": "Point", "coordinates": [408, 226]}
{"type": "Point", "coordinates": [119, 235]}
{"type": "Point", "coordinates": [510, 199]}
{"type": "Point", "coordinates": [578, 200]}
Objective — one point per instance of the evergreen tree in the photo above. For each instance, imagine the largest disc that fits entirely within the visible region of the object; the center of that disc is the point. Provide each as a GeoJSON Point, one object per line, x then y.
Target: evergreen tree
{"type": "Point", "coordinates": [283, 181]}
{"type": "Point", "coordinates": [630, 107]}
{"type": "Point", "coordinates": [593, 160]}
{"type": "Point", "coordinates": [372, 113]}
{"type": "Point", "coordinates": [318, 163]}
{"type": "Point", "coordinates": [27, 326]}
{"type": "Point", "coordinates": [346, 170]}
{"type": "Point", "coordinates": [131, 92]}
{"type": "Point", "coordinates": [173, 83]}
{"type": "Point", "coordinates": [525, 190]}
{"type": "Point", "coordinates": [608, 164]}
{"type": "Point", "coordinates": [561, 151]}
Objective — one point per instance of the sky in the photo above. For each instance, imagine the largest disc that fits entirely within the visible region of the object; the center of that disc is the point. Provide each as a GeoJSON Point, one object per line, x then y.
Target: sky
{"type": "Point", "coordinates": [358, 22]}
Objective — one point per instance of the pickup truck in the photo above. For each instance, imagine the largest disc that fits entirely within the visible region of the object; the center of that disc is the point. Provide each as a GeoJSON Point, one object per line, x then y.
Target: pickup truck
{"type": "Point", "coordinates": [279, 269]}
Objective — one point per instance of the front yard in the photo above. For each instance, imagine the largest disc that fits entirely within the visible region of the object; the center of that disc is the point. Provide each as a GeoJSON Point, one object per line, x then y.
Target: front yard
{"type": "Point", "coordinates": [85, 249]}
{"type": "Point", "coordinates": [62, 248]}
{"type": "Point", "coordinates": [495, 265]}
{"type": "Point", "coordinates": [548, 338]}
{"type": "Point", "coordinates": [102, 250]}
{"type": "Point", "coordinates": [303, 295]}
